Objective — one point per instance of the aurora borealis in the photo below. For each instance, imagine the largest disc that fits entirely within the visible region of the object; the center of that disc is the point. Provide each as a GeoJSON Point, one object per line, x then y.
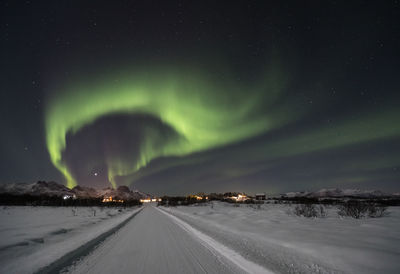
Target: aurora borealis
{"type": "Point", "coordinates": [202, 114]}
{"type": "Point", "coordinates": [179, 97]}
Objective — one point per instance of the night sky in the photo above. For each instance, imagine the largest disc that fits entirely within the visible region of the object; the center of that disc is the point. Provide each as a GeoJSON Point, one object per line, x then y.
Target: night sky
{"type": "Point", "coordinates": [173, 97]}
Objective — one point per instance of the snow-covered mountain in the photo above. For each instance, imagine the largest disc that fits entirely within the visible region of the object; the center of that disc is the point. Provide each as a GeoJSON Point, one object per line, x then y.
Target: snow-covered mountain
{"type": "Point", "coordinates": [55, 189]}
{"type": "Point", "coordinates": [122, 192]}
{"type": "Point", "coordinates": [36, 189]}
{"type": "Point", "coordinates": [85, 192]}
{"type": "Point", "coordinates": [337, 193]}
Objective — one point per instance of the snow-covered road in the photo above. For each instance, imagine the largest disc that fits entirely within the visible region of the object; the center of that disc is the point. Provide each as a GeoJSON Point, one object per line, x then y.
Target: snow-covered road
{"type": "Point", "coordinates": [156, 242]}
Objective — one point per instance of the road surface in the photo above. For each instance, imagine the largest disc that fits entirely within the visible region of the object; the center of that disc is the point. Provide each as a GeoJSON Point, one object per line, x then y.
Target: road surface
{"type": "Point", "coordinates": [156, 242]}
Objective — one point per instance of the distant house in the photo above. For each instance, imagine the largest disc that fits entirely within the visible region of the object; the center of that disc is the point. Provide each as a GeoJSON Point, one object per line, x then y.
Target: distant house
{"type": "Point", "coordinates": [198, 197]}
{"type": "Point", "coordinates": [110, 199]}
{"type": "Point", "coordinates": [239, 198]}
{"type": "Point", "coordinates": [260, 196]}
{"type": "Point", "coordinates": [67, 196]}
{"type": "Point", "coordinates": [149, 200]}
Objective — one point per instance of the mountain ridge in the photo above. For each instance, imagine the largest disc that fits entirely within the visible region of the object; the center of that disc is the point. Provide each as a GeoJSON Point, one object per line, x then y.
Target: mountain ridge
{"type": "Point", "coordinates": [42, 188]}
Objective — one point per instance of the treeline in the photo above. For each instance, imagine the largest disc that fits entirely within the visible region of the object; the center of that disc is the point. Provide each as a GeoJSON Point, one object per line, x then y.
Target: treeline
{"type": "Point", "coordinates": [337, 201]}
{"type": "Point", "coordinates": [225, 197]}
{"type": "Point", "coordinates": [191, 199]}
{"type": "Point", "coordinates": [41, 200]}
{"type": "Point", "coordinates": [180, 200]}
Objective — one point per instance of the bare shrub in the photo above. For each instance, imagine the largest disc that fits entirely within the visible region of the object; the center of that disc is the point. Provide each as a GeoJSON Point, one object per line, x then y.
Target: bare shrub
{"type": "Point", "coordinates": [310, 210]}
{"type": "Point", "coordinates": [377, 211]}
{"type": "Point", "coordinates": [321, 211]}
{"type": "Point", "coordinates": [357, 210]}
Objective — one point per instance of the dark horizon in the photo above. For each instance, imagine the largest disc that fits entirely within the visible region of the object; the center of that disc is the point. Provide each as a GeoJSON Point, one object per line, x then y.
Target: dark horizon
{"type": "Point", "coordinates": [223, 191]}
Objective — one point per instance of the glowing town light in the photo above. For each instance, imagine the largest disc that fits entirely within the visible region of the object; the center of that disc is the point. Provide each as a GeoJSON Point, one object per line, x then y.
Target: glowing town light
{"type": "Point", "coordinates": [239, 198]}
{"type": "Point", "coordinates": [66, 197]}
{"type": "Point", "coordinates": [110, 199]}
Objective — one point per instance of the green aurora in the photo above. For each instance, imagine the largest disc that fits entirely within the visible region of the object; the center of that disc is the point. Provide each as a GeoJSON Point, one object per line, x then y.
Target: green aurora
{"type": "Point", "coordinates": [186, 98]}
{"type": "Point", "coordinates": [204, 111]}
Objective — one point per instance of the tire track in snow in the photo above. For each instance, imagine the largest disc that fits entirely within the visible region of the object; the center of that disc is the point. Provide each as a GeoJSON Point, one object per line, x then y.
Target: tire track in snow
{"type": "Point", "coordinates": [219, 248]}
{"type": "Point", "coordinates": [69, 258]}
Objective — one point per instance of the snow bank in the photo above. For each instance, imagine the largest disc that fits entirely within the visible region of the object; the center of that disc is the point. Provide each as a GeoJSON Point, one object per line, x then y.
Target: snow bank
{"type": "Point", "coordinates": [285, 243]}
{"type": "Point", "coordinates": [33, 237]}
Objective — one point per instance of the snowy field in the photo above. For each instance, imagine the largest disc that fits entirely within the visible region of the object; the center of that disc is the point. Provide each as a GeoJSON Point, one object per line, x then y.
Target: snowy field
{"type": "Point", "coordinates": [33, 237]}
{"type": "Point", "coordinates": [157, 242]}
{"type": "Point", "coordinates": [215, 238]}
{"type": "Point", "coordinates": [285, 243]}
